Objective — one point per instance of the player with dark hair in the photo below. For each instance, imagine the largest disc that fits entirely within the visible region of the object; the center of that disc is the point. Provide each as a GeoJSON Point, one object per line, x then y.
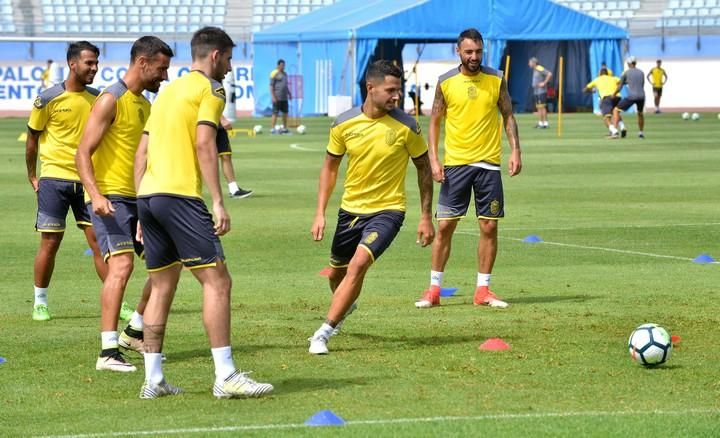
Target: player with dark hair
{"type": "Point", "coordinates": [378, 139]}
{"type": "Point", "coordinates": [177, 153]}
{"type": "Point", "coordinates": [657, 77]}
{"type": "Point", "coordinates": [606, 86]}
{"type": "Point", "coordinates": [105, 160]}
{"type": "Point", "coordinates": [56, 123]}
{"type": "Point", "coordinates": [470, 98]}
{"type": "Point", "coordinates": [280, 93]}
{"type": "Point", "coordinates": [540, 78]}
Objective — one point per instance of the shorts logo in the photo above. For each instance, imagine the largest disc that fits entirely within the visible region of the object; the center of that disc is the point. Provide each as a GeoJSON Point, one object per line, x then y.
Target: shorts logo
{"type": "Point", "coordinates": [390, 137]}
{"type": "Point", "coordinates": [141, 115]}
{"type": "Point", "coordinates": [370, 238]}
{"type": "Point", "coordinates": [472, 92]}
{"type": "Point", "coordinates": [495, 207]}
{"type": "Point", "coordinates": [37, 103]}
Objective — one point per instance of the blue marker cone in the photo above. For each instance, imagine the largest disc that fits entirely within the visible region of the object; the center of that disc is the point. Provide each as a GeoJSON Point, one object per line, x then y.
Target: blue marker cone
{"type": "Point", "coordinates": [532, 239]}
{"type": "Point", "coordinates": [2, 359]}
{"type": "Point", "coordinates": [88, 252]}
{"type": "Point", "coordinates": [448, 291]}
{"type": "Point", "coordinates": [325, 418]}
{"type": "Point", "coordinates": [703, 258]}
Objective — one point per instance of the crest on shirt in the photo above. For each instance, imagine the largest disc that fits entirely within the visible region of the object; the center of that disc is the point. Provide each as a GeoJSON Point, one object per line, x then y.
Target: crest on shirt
{"type": "Point", "coordinates": [220, 91]}
{"type": "Point", "coordinates": [37, 103]}
{"type": "Point", "coordinates": [390, 137]}
{"type": "Point", "coordinates": [370, 238]}
{"type": "Point", "coordinates": [472, 92]}
{"type": "Point", "coordinates": [141, 115]}
{"type": "Point", "coordinates": [495, 207]}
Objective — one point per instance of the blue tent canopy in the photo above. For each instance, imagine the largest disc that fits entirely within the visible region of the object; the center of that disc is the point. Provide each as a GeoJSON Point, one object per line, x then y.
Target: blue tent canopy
{"type": "Point", "coordinates": [329, 48]}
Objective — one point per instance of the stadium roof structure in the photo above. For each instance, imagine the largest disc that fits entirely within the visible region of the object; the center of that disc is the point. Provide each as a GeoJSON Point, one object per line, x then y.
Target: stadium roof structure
{"type": "Point", "coordinates": [329, 48]}
{"type": "Point", "coordinates": [441, 20]}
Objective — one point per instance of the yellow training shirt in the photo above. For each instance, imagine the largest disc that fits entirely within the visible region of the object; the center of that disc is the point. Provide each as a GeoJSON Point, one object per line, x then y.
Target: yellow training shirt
{"type": "Point", "coordinates": [172, 163]}
{"type": "Point", "coordinates": [60, 115]}
{"type": "Point", "coordinates": [378, 152]}
{"type": "Point", "coordinates": [114, 159]}
{"type": "Point", "coordinates": [656, 73]}
{"type": "Point", "coordinates": [472, 119]}
{"type": "Point", "coordinates": [605, 85]}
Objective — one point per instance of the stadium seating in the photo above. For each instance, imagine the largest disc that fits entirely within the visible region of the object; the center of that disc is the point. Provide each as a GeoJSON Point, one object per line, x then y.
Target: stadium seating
{"type": "Point", "coordinates": [690, 13]}
{"type": "Point", "coordinates": [676, 13]}
{"type": "Point", "coordinates": [6, 17]}
{"type": "Point", "coordinates": [618, 13]}
{"type": "Point", "coordinates": [133, 16]}
{"type": "Point", "coordinates": [269, 12]}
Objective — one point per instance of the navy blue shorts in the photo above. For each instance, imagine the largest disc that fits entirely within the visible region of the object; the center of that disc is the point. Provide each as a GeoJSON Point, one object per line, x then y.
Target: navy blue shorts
{"type": "Point", "coordinates": [178, 230]}
{"type": "Point", "coordinates": [454, 198]}
{"type": "Point", "coordinates": [626, 103]}
{"type": "Point", "coordinates": [281, 106]}
{"type": "Point", "coordinates": [541, 100]}
{"type": "Point", "coordinates": [607, 104]}
{"type": "Point", "coordinates": [116, 234]}
{"type": "Point", "coordinates": [373, 232]}
{"type": "Point", "coordinates": [223, 142]}
{"type": "Point", "coordinates": [55, 197]}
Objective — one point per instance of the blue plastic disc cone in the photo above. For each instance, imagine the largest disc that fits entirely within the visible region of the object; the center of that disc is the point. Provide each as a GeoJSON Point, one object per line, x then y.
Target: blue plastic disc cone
{"type": "Point", "coordinates": [703, 258]}
{"type": "Point", "coordinates": [2, 359]}
{"type": "Point", "coordinates": [88, 252]}
{"type": "Point", "coordinates": [325, 418]}
{"type": "Point", "coordinates": [532, 239]}
{"type": "Point", "coordinates": [448, 291]}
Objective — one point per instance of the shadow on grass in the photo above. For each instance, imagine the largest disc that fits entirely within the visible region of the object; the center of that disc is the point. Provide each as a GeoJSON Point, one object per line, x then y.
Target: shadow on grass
{"type": "Point", "coordinates": [306, 384]}
{"type": "Point", "coordinates": [551, 299]}
{"type": "Point", "coordinates": [408, 340]}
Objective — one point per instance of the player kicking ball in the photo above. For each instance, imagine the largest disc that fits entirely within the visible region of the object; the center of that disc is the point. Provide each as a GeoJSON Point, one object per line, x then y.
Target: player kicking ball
{"type": "Point", "coordinates": [378, 139]}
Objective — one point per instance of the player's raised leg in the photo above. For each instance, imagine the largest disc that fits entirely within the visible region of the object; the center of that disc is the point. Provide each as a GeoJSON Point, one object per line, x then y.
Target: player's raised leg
{"type": "Point", "coordinates": [343, 298]}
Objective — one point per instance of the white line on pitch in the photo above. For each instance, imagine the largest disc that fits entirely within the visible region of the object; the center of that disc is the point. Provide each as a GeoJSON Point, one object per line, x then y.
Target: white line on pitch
{"type": "Point", "coordinates": [595, 248]}
{"type": "Point", "coordinates": [402, 421]}
{"type": "Point", "coordinates": [607, 227]}
{"type": "Point", "coordinates": [297, 147]}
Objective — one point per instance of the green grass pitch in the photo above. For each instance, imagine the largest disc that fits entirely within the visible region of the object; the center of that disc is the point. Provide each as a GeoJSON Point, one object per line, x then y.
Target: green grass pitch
{"type": "Point", "coordinates": [620, 221]}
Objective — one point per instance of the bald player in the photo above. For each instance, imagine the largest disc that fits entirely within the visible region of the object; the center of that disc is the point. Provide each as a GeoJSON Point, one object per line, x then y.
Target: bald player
{"type": "Point", "coordinates": [634, 79]}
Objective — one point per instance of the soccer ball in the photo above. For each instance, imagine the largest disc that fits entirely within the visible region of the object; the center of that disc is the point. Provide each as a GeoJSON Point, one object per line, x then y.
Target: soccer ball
{"type": "Point", "coordinates": [278, 127]}
{"type": "Point", "coordinates": [257, 129]}
{"type": "Point", "coordinates": [301, 129]}
{"type": "Point", "coordinates": [650, 345]}
{"type": "Point", "coordinates": [695, 116]}
{"type": "Point", "coordinates": [686, 116]}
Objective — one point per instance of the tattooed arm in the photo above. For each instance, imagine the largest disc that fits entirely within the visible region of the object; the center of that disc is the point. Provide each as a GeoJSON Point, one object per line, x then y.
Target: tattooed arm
{"type": "Point", "coordinates": [426, 231]}
{"type": "Point", "coordinates": [511, 129]}
{"type": "Point", "coordinates": [438, 113]}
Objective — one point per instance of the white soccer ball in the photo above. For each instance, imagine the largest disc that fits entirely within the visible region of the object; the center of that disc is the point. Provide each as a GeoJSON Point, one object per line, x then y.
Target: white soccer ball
{"type": "Point", "coordinates": [718, 116]}
{"type": "Point", "coordinates": [257, 129]}
{"type": "Point", "coordinates": [278, 127]}
{"type": "Point", "coordinates": [686, 116]}
{"type": "Point", "coordinates": [695, 116]}
{"type": "Point", "coordinates": [301, 129]}
{"type": "Point", "coordinates": [650, 345]}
